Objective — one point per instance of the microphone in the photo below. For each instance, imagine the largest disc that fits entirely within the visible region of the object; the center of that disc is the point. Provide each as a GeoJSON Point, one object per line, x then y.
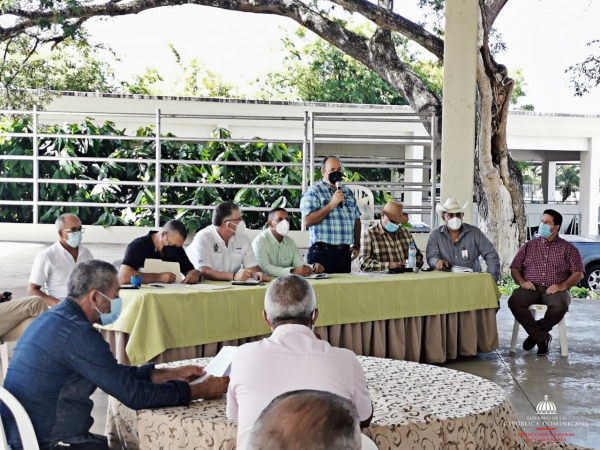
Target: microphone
{"type": "Point", "coordinates": [338, 185]}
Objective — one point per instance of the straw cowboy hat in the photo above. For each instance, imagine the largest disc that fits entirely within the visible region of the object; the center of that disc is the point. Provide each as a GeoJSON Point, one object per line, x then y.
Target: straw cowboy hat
{"type": "Point", "coordinates": [393, 211]}
{"type": "Point", "coordinates": [451, 206]}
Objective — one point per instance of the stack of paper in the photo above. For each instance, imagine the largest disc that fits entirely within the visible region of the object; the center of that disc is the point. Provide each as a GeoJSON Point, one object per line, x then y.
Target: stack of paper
{"type": "Point", "coordinates": [461, 269]}
{"type": "Point", "coordinates": [220, 365]}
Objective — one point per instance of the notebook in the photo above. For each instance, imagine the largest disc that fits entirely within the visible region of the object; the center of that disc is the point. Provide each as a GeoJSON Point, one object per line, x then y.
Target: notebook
{"type": "Point", "coordinates": [159, 266]}
{"type": "Point", "coordinates": [461, 269]}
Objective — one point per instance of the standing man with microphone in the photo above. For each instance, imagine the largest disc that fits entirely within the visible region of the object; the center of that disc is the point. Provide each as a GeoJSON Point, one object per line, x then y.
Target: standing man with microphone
{"type": "Point", "coordinates": [330, 213]}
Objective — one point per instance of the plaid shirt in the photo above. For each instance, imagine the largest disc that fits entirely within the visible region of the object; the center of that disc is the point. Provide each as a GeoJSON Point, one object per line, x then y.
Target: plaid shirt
{"type": "Point", "coordinates": [545, 263]}
{"type": "Point", "coordinates": [379, 248]}
{"type": "Point", "coordinates": [338, 227]}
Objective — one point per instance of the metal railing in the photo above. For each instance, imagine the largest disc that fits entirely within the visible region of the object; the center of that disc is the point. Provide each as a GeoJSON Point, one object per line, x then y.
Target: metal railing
{"type": "Point", "coordinates": [308, 143]}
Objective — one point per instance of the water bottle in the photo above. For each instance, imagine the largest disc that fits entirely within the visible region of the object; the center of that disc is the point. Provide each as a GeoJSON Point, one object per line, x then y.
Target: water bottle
{"type": "Point", "coordinates": [412, 256]}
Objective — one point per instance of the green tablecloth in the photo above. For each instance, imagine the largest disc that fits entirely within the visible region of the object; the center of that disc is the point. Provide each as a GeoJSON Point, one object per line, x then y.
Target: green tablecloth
{"type": "Point", "coordinates": [162, 318]}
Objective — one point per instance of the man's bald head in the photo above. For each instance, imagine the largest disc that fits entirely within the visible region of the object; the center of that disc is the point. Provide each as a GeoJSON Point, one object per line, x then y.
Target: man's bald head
{"type": "Point", "coordinates": [307, 420]}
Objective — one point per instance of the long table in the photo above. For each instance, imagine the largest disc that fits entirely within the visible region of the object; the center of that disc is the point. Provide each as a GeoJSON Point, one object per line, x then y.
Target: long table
{"type": "Point", "coordinates": [426, 316]}
{"type": "Point", "coordinates": [415, 406]}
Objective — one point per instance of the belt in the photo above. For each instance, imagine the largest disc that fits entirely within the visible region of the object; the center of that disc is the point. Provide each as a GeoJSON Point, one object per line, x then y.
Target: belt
{"type": "Point", "coordinates": [325, 246]}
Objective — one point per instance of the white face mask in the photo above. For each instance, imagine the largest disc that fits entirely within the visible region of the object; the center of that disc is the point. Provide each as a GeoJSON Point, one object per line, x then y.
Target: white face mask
{"type": "Point", "coordinates": [241, 228]}
{"type": "Point", "coordinates": [282, 228]}
{"type": "Point", "coordinates": [454, 223]}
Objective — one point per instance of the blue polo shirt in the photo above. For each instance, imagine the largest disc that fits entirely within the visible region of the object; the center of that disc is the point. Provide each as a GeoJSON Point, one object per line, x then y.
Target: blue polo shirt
{"type": "Point", "coordinates": [338, 227]}
{"type": "Point", "coordinates": [59, 362]}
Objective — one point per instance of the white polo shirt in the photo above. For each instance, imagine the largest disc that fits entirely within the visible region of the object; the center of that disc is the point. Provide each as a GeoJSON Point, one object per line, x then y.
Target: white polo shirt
{"type": "Point", "coordinates": [52, 267]}
{"type": "Point", "coordinates": [208, 249]}
{"type": "Point", "coordinates": [292, 358]}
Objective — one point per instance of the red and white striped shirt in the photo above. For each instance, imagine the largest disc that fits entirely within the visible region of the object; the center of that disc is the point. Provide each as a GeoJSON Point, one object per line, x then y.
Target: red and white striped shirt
{"type": "Point", "coordinates": [545, 263]}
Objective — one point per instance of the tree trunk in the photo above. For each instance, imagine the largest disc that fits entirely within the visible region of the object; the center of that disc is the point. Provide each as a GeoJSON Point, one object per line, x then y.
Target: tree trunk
{"type": "Point", "coordinates": [498, 181]}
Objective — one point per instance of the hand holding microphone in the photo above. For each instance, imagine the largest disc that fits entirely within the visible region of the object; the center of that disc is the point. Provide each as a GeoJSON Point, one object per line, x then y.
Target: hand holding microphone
{"type": "Point", "coordinates": [338, 196]}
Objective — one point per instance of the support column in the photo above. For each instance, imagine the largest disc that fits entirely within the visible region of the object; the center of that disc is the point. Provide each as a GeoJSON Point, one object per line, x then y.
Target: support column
{"type": "Point", "coordinates": [458, 120]}
{"type": "Point", "coordinates": [589, 180]}
{"type": "Point", "coordinates": [548, 180]}
{"type": "Point", "coordinates": [414, 198]}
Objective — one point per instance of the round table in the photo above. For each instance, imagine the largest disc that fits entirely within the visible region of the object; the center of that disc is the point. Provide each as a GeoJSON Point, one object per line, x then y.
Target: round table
{"type": "Point", "coordinates": [416, 406]}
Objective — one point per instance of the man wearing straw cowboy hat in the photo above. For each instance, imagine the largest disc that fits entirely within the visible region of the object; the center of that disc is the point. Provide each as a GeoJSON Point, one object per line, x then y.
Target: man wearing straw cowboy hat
{"type": "Point", "coordinates": [385, 245]}
{"type": "Point", "coordinates": [460, 244]}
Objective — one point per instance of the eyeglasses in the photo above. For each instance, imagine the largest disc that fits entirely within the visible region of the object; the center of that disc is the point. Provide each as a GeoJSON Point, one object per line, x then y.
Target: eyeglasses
{"type": "Point", "coordinates": [74, 230]}
{"type": "Point", "coordinates": [233, 220]}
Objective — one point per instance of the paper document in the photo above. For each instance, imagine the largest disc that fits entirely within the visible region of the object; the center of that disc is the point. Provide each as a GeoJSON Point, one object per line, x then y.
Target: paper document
{"type": "Point", "coordinates": [171, 285]}
{"type": "Point", "coordinates": [206, 287]}
{"type": "Point", "coordinates": [158, 266]}
{"type": "Point", "coordinates": [371, 274]}
{"type": "Point", "coordinates": [220, 365]}
{"type": "Point", "coordinates": [317, 276]}
{"type": "Point", "coordinates": [461, 269]}
{"type": "Point", "coordinates": [250, 281]}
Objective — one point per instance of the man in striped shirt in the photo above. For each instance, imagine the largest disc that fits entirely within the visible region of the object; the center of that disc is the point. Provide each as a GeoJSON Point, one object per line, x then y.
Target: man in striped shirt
{"type": "Point", "coordinates": [384, 246]}
{"type": "Point", "coordinates": [545, 268]}
{"type": "Point", "coordinates": [330, 213]}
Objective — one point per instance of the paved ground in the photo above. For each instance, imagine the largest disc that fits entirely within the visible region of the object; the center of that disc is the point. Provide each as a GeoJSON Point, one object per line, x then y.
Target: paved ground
{"type": "Point", "coordinates": [572, 383]}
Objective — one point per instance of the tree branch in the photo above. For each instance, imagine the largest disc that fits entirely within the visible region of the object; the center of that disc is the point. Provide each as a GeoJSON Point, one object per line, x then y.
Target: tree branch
{"type": "Point", "coordinates": [395, 22]}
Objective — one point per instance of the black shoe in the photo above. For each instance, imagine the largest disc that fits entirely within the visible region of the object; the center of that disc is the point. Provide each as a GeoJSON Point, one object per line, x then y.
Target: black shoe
{"type": "Point", "coordinates": [543, 347]}
{"type": "Point", "coordinates": [528, 343]}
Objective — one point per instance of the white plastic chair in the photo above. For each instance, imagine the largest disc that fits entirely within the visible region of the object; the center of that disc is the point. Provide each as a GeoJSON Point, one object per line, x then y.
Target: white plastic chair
{"type": "Point", "coordinates": [361, 193]}
{"type": "Point", "coordinates": [24, 424]}
{"type": "Point", "coordinates": [6, 351]}
{"type": "Point", "coordinates": [562, 331]}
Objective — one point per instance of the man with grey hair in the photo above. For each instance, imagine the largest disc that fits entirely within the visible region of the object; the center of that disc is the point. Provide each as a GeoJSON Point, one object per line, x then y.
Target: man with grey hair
{"type": "Point", "coordinates": [294, 356]}
{"type": "Point", "coordinates": [307, 420]}
{"type": "Point", "coordinates": [166, 245]}
{"type": "Point", "coordinates": [61, 359]}
{"type": "Point", "coordinates": [52, 267]}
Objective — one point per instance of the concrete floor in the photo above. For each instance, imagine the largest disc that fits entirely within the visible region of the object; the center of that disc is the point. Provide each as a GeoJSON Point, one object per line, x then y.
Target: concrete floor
{"type": "Point", "coordinates": [572, 383]}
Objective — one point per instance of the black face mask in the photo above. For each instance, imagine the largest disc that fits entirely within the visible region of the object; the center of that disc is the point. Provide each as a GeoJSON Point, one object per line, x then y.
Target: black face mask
{"type": "Point", "coordinates": [169, 253]}
{"type": "Point", "coordinates": [334, 177]}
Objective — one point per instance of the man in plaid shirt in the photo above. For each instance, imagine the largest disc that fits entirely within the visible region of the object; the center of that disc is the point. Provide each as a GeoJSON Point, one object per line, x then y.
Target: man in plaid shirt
{"type": "Point", "coordinates": [384, 246]}
{"type": "Point", "coordinates": [545, 268]}
{"type": "Point", "coordinates": [330, 213]}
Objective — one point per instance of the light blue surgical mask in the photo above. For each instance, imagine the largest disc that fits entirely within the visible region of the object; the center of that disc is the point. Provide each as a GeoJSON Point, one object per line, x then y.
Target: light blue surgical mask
{"type": "Point", "coordinates": [115, 310]}
{"type": "Point", "coordinates": [391, 227]}
{"type": "Point", "coordinates": [74, 239]}
{"type": "Point", "coordinates": [544, 230]}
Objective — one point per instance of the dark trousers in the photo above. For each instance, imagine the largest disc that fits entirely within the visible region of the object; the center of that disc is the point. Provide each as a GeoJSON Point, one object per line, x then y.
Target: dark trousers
{"type": "Point", "coordinates": [557, 303]}
{"type": "Point", "coordinates": [90, 441]}
{"type": "Point", "coordinates": [333, 259]}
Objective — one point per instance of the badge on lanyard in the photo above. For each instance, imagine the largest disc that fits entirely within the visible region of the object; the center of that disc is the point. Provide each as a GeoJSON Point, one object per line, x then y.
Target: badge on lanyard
{"type": "Point", "coordinates": [465, 253]}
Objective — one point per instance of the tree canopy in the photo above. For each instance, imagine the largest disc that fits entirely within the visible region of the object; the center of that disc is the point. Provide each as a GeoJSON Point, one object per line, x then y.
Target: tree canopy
{"type": "Point", "coordinates": [497, 180]}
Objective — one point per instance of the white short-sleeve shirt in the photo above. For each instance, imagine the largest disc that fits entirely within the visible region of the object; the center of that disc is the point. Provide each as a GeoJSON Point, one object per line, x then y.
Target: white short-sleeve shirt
{"type": "Point", "coordinates": [292, 358]}
{"type": "Point", "coordinates": [52, 267]}
{"type": "Point", "coordinates": [208, 249]}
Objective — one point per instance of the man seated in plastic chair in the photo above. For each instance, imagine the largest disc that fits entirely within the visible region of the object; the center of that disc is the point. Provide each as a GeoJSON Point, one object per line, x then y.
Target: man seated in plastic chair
{"type": "Point", "coordinates": [545, 268]}
{"type": "Point", "coordinates": [15, 315]}
{"type": "Point", "coordinates": [61, 359]}
{"type": "Point", "coordinates": [293, 357]}
{"type": "Point", "coordinates": [307, 420]}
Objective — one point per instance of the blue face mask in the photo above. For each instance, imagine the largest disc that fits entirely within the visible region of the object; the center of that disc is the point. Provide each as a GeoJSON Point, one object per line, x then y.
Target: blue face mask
{"type": "Point", "coordinates": [544, 230]}
{"type": "Point", "coordinates": [115, 310]}
{"type": "Point", "coordinates": [391, 227]}
{"type": "Point", "coordinates": [74, 239]}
